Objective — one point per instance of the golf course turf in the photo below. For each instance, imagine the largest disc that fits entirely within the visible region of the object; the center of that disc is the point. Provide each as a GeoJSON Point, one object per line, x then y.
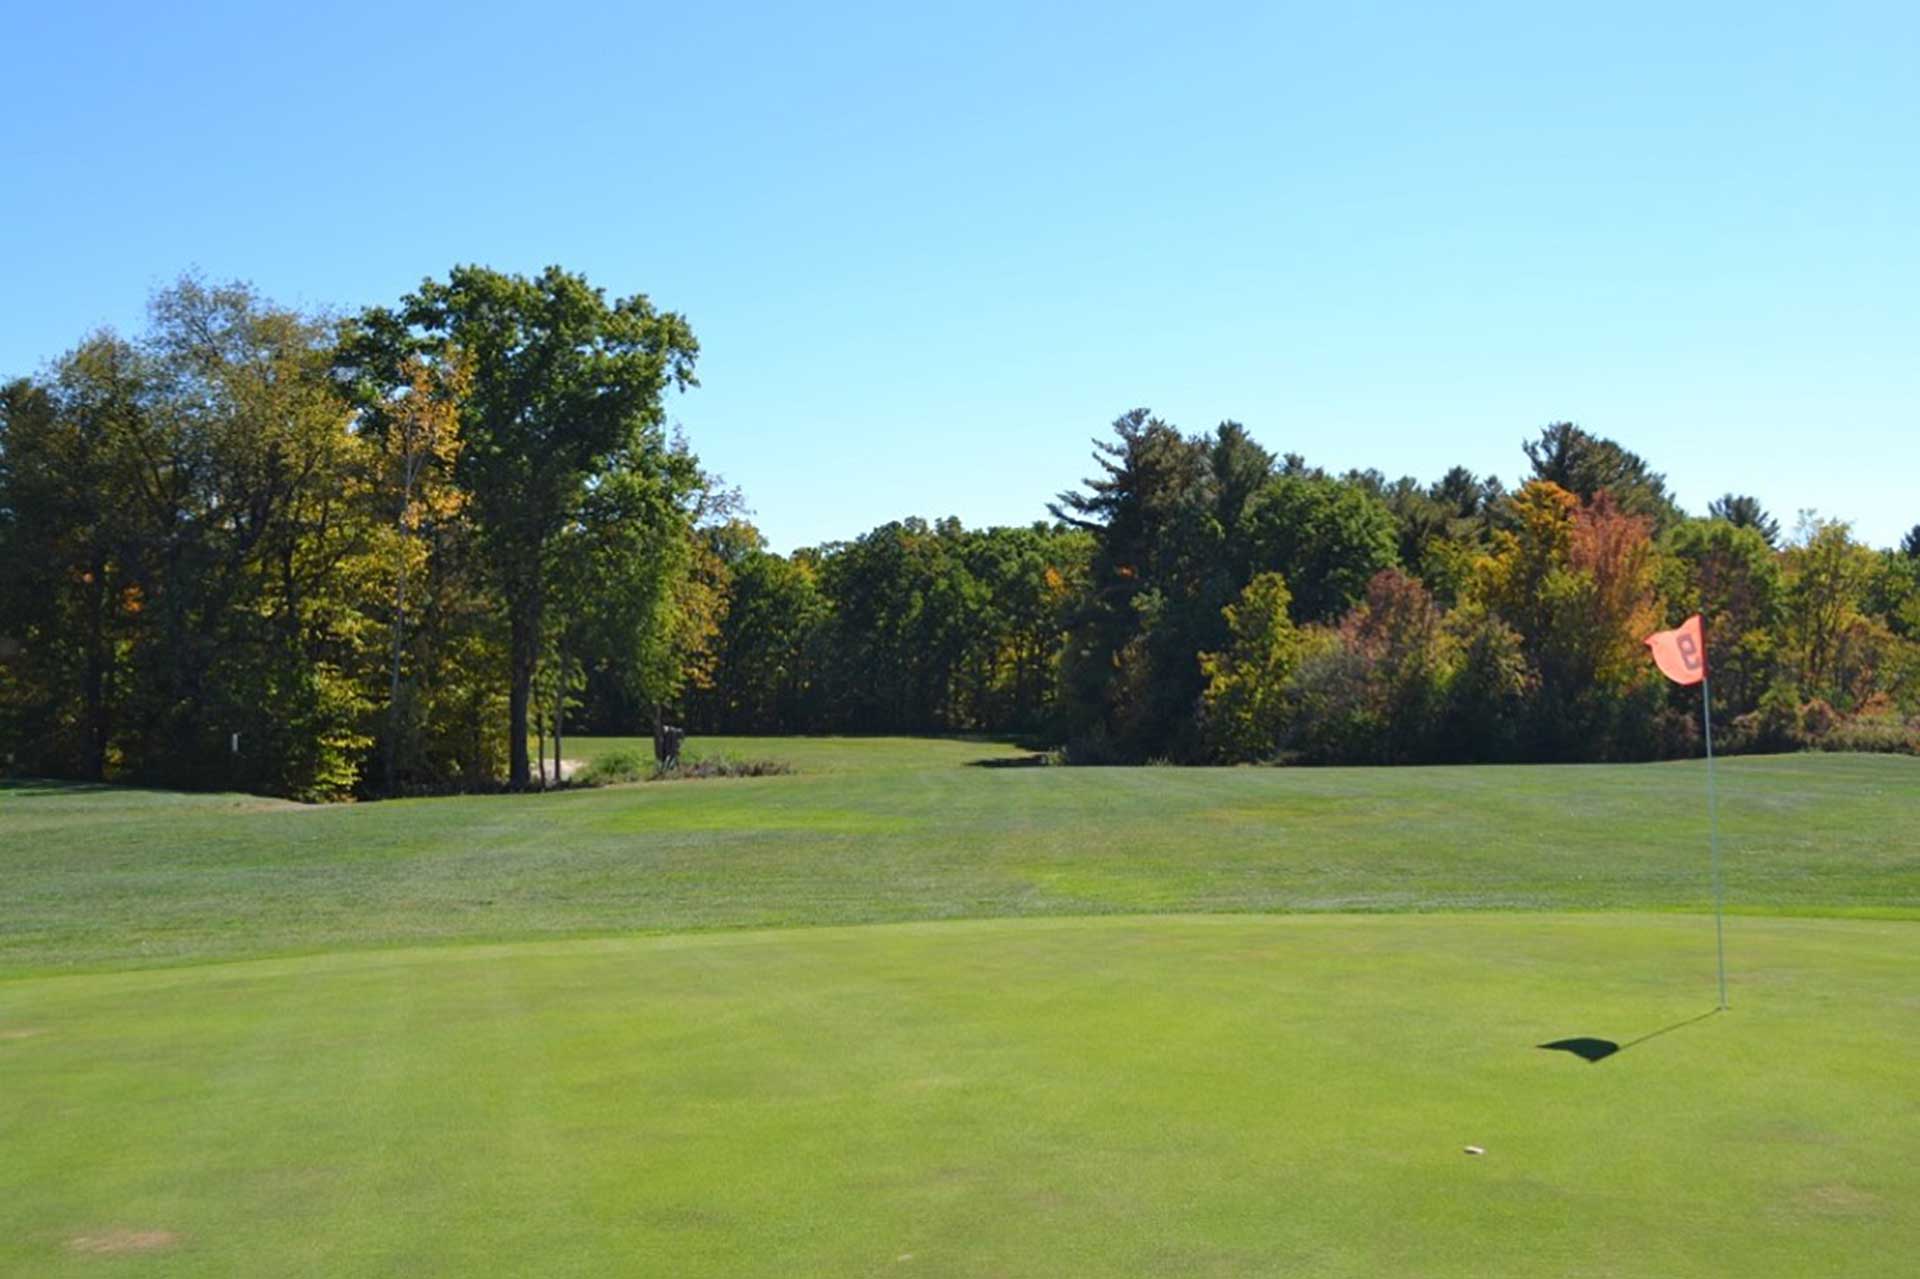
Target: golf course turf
{"type": "Point", "coordinates": [900, 1013]}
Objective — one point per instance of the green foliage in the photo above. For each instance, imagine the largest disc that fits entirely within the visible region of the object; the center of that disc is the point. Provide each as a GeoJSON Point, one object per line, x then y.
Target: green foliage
{"type": "Point", "coordinates": [901, 601]}
{"type": "Point", "coordinates": [1579, 583]}
{"type": "Point", "coordinates": [193, 511]}
{"type": "Point", "coordinates": [775, 625]}
{"type": "Point", "coordinates": [1728, 574]}
{"type": "Point", "coordinates": [1158, 579]}
{"type": "Point", "coordinates": [702, 767]}
{"type": "Point", "coordinates": [911, 626]}
{"type": "Point", "coordinates": [380, 557]}
{"type": "Point", "coordinates": [1485, 713]}
{"type": "Point", "coordinates": [627, 764]}
{"type": "Point", "coordinates": [1328, 537]}
{"type": "Point", "coordinates": [1832, 647]}
{"type": "Point", "coordinates": [1746, 512]}
{"type": "Point", "coordinates": [1774, 725]}
{"type": "Point", "coordinates": [564, 421]}
{"type": "Point", "coordinates": [1466, 496]}
{"type": "Point", "coordinates": [1383, 681]}
{"type": "Point", "coordinates": [247, 549]}
{"type": "Point", "coordinates": [1245, 703]}
{"type": "Point", "coordinates": [1893, 594]}
{"type": "Point", "coordinates": [624, 598]}
{"type": "Point", "coordinates": [1877, 729]}
{"type": "Point", "coordinates": [1029, 578]}
{"type": "Point", "coordinates": [66, 599]}
{"type": "Point", "coordinates": [1588, 465]}
{"type": "Point", "coordinates": [624, 765]}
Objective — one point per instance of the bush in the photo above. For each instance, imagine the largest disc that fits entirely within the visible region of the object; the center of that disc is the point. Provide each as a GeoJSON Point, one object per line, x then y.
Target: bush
{"type": "Point", "coordinates": [1817, 719]}
{"type": "Point", "coordinates": [1882, 732]}
{"type": "Point", "coordinates": [615, 766]}
{"type": "Point", "coordinates": [1678, 733]}
{"type": "Point", "coordinates": [1092, 749]}
{"type": "Point", "coordinates": [720, 766]}
{"type": "Point", "coordinates": [633, 766]}
{"type": "Point", "coordinates": [1774, 726]}
{"type": "Point", "coordinates": [1784, 723]}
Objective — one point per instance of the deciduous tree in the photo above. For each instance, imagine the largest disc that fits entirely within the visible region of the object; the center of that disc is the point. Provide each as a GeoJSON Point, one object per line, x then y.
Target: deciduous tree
{"type": "Point", "coordinates": [567, 393]}
{"type": "Point", "coordinates": [1246, 693]}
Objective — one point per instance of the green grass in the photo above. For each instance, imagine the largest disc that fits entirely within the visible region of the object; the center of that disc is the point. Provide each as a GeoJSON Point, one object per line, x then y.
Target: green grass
{"type": "Point", "coordinates": [890, 830]}
{"type": "Point", "coordinates": [1178, 1096]}
{"type": "Point", "coordinates": [585, 1033]}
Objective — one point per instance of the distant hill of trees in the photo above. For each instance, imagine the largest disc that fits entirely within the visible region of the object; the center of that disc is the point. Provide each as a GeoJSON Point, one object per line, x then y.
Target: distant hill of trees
{"type": "Point", "coordinates": [403, 551]}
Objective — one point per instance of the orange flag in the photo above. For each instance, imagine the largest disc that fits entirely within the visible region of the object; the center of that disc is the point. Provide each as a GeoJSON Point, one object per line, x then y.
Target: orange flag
{"type": "Point", "coordinates": [1681, 653]}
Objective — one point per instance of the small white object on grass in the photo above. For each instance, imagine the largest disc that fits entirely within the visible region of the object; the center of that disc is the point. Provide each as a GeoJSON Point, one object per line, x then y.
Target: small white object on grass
{"type": "Point", "coordinates": [1476, 1150]}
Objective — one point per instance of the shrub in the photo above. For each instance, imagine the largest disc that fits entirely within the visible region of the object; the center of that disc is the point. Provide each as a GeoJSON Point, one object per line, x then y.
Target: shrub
{"type": "Point", "coordinates": [720, 766]}
{"type": "Point", "coordinates": [1092, 749]}
{"type": "Point", "coordinates": [615, 766]}
{"type": "Point", "coordinates": [1678, 733]}
{"type": "Point", "coordinates": [1882, 732]}
{"type": "Point", "coordinates": [1817, 719]}
{"type": "Point", "coordinates": [1775, 726]}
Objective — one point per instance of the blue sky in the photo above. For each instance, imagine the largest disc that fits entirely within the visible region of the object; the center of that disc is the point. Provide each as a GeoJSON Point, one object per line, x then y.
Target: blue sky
{"type": "Point", "coordinates": [931, 251]}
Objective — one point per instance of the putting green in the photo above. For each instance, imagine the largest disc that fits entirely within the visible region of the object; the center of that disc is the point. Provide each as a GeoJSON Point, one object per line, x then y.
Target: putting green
{"type": "Point", "coordinates": [1175, 1095]}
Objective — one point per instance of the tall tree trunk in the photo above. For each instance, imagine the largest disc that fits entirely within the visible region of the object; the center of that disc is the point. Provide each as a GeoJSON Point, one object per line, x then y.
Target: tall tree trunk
{"type": "Point", "coordinates": [393, 676]}
{"type": "Point", "coordinates": [521, 660]}
{"type": "Point", "coordinates": [559, 708]}
{"type": "Point", "coordinates": [98, 658]}
{"type": "Point", "coordinates": [540, 744]}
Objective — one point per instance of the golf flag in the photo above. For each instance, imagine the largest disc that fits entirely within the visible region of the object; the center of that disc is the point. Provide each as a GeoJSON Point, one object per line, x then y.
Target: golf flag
{"type": "Point", "coordinates": [1681, 653]}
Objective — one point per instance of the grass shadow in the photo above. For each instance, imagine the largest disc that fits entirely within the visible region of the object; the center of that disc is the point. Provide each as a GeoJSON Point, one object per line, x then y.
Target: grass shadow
{"type": "Point", "coordinates": [36, 787]}
{"type": "Point", "coordinates": [1010, 761]}
{"type": "Point", "coordinates": [1590, 1049]}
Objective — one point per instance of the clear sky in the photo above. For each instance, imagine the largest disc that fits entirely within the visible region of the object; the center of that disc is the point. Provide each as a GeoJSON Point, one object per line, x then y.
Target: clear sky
{"type": "Point", "coordinates": [931, 251]}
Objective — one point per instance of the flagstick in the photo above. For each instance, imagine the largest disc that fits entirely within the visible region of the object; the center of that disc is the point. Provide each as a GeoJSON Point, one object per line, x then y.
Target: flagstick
{"type": "Point", "coordinates": [1713, 827]}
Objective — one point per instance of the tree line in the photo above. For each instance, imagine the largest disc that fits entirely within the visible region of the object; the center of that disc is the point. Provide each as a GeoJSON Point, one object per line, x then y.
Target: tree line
{"type": "Point", "coordinates": [407, 549]}
{"type": "Point", "coordinates": [1202, 600]}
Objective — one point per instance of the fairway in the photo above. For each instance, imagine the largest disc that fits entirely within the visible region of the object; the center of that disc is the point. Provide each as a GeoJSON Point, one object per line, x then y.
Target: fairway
{"type": "Point", "coordinates": [892, 830]}
{"type": "Point", "coordinates": [1097, 1022]}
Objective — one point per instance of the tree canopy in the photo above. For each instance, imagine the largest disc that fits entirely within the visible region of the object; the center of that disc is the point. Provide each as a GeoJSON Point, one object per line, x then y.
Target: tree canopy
{"type": "Point", "coordinates": [563, 420]}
